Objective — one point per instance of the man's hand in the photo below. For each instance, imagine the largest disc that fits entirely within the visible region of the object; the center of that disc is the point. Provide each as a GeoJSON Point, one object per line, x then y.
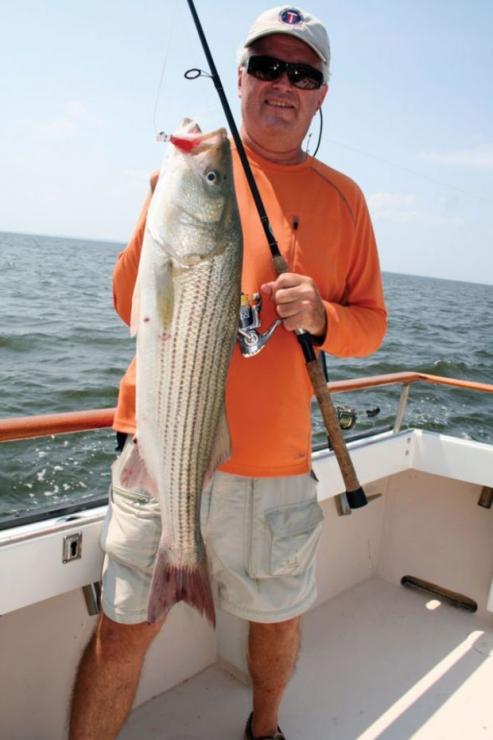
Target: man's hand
{"type": "Point", "coordinates": [298, 303]}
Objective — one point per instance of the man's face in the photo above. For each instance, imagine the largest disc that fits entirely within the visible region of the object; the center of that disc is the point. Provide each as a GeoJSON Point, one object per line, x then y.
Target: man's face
{"type": "Point", "coordinates": [276, 115]}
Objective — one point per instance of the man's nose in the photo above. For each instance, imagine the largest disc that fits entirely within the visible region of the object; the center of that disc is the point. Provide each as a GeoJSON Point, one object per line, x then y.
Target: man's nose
{"type": "Point", "coordinates": [283, 82]}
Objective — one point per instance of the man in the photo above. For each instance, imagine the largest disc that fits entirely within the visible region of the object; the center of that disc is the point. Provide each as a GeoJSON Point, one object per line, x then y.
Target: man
{"type": "Point", "coordinates": [334, 291]}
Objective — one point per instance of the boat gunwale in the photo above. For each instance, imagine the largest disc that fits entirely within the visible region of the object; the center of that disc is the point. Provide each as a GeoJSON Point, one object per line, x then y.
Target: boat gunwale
{"type": "Point", "coordinates": [31, 427]}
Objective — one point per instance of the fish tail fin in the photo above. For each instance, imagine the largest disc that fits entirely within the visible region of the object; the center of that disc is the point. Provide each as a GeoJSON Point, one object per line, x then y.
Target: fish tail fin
{"type": "Point", "coordinates": [173, 583]}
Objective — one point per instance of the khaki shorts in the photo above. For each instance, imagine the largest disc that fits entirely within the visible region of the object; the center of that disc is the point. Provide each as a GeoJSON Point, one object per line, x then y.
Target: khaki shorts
{"type": "Point", "coordinates": [261, 536]}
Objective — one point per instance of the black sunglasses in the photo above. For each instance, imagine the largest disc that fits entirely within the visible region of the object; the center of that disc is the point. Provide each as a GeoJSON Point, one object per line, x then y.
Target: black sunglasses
{"type": "Point", "coordinates": [300, 75]}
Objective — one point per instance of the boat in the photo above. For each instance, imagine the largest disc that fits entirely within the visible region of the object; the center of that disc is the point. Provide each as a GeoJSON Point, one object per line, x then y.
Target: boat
{"type": "Point", "coordinates": [399, 643]}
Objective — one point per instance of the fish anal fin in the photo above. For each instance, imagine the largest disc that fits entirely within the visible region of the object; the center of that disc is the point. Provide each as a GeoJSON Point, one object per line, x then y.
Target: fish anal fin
{"type": "Point", "coordinates": [171, 584]}
{"type": "Point", "coordinates": [221, 450]}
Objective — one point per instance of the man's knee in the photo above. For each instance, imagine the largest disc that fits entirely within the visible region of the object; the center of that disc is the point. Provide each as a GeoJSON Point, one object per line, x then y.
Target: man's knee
{"type": "Point", "coordinates": [114, 640]}
{"type": "Point", "coordinates": [277, 630]}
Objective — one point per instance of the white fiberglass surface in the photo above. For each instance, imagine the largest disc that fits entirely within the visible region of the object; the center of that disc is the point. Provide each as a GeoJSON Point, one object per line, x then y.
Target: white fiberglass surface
{"type": "Point", "coordinates": [377, 661]}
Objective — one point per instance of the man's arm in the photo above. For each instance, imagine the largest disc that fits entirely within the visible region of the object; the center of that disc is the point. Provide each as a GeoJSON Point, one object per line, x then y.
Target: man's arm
{"type": "Point", "coordinates": [356, 326]}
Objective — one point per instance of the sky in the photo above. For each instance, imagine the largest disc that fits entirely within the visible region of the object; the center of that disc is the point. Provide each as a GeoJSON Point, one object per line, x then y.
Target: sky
{"type": "Point", "coordinates": [409, 115]}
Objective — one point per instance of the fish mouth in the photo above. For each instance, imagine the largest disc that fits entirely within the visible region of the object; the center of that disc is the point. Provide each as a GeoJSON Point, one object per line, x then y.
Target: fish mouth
{"type": "Point", "coordinates": [213, 140]}
{"type": "Point", "coordinates": [193, 142]}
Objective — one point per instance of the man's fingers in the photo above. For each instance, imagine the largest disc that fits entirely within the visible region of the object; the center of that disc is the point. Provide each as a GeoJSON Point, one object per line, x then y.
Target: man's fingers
{"type": "Point", "coordinates": [267, 288]}
{"type": "Point", "coordinates": [297, 302]}
{"type": "Point", "coordinates": [292, 324]}
{"type": "Point", "coordinates": [286, 280]}
{"type": "Point", "coordinates": [289, 295]}
{"type": "Point", "coordinates": [285, 310]}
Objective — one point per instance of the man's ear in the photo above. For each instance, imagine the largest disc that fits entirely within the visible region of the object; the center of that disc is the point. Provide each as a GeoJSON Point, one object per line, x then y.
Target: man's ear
{"type": "Point", "coordinates": [323, 92]}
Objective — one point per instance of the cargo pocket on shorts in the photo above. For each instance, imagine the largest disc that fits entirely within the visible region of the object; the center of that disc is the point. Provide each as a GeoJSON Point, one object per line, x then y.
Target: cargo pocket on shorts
{"type": "Point", "coordinates": [132, 529]}
{"type": "Point", "coordinates": [295, 531]}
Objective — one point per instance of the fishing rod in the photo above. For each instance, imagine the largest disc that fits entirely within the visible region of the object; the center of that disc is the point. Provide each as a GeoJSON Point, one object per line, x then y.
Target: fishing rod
{"type": "Point", "coordinates": [356, 496]}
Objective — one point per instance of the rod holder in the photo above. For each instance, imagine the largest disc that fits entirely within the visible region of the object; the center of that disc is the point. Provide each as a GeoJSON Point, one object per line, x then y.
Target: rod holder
{"type": "Point", "coordinates": [92, 597]}
{"type": "Point", "coordinates": [486, 497]}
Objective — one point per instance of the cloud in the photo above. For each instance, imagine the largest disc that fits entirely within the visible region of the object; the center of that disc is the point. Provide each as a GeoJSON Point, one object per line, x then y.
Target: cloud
{"type": "Point", "coordinates": [394, 206]}
{"type": "Point", "coordinates": [407, 207]}
{"type": "Point", "coordinates": [478, 158]}
{"type": "Point", "coordinates": [75, 108]}
{"type": "Point", "coordinates": [70, 123]}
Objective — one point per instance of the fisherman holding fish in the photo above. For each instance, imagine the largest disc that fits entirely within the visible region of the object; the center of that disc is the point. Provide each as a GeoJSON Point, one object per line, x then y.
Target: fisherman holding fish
{"type": "Point", "coordinates": [218, 445]}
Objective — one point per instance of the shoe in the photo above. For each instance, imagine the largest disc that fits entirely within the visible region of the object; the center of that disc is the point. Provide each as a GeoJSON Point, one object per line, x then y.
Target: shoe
{"type": "Point", "coordinates": [250, 736]}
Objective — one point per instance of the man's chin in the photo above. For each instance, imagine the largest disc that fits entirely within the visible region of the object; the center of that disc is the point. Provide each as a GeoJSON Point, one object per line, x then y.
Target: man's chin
{"type": "Point", "coordinates": [273, 121]}
{"type": "Point", "coordinates": [283, 115]}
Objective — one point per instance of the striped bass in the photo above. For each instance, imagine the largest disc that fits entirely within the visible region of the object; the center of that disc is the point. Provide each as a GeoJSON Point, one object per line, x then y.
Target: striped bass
{"type": "Point", "coordinates": [185, 313]}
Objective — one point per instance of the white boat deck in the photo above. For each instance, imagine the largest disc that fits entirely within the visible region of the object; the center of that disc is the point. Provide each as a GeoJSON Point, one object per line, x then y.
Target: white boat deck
{"type": "Point", "coordinates": [377, 661]}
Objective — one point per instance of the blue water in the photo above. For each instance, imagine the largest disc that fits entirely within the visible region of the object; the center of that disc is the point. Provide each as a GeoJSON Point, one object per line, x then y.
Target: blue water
{"type": "Point", "coordinates": [63, 348]}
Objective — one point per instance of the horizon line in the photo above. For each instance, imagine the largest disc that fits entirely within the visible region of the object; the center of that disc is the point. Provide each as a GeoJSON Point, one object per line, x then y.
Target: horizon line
{"type": "Point", "coordinates": [124, 243]}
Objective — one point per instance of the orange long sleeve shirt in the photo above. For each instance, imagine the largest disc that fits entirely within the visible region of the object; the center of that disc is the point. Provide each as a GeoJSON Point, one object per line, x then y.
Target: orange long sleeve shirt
{"type": "Point", "coordinates": [321, 222]}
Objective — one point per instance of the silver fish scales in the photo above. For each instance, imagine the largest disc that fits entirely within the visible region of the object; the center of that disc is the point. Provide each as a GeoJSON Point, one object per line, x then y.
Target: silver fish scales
{"type": "Point", "coordinates": [185, 312]}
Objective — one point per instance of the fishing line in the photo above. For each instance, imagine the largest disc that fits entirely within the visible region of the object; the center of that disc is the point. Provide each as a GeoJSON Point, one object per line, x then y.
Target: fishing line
{"type": "Point", "coordinates": [321, 127]}
{"type": "Point", "coordinates": [158, 92]}
{"type": "Point", "coordinates": [157, 131]}
{"type": "Point", "coordinates": [411, 171]}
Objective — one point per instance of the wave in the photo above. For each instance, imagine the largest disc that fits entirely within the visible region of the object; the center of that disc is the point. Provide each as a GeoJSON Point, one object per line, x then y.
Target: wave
{"type": "Point", "coordinates": [63, 348]}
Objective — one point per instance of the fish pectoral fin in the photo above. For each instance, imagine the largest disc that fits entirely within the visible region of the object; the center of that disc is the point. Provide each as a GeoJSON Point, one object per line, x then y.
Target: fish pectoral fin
{"type": "Point", "coordinates": [165, 295]}
{"type": "Point", "coordinates": [221, 450]}
{"type": "Point", "coordinates": [153, 296]}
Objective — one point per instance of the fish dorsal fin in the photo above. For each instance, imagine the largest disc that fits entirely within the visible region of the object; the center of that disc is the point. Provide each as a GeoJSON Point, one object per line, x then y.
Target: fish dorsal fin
{"type": "Point", "coordinates": [135, 314]}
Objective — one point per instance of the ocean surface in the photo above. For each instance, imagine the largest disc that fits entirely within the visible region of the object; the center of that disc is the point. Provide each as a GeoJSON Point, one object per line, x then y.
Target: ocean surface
{"type": "Point", "coordinates": [63, 348]}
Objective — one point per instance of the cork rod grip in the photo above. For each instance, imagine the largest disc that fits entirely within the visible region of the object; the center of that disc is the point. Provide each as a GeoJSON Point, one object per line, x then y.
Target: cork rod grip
{"type": "Point", "coordinates": [355, 494]}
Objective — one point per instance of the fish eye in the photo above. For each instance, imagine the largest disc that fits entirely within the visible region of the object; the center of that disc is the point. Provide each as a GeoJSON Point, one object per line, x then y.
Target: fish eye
{"type": "Point", "coordinates": [212, 176]}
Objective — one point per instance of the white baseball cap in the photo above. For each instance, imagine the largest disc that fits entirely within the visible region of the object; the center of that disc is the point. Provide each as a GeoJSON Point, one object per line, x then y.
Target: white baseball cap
{"type": "Point", "coordinates": [295, 22]}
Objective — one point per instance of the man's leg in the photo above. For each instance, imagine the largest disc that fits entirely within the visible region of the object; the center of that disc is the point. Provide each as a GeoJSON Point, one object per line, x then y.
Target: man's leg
{"type": "Point", "coordinates": [108, 677]}
{"type": "Point", "coordinates": [272, 653]}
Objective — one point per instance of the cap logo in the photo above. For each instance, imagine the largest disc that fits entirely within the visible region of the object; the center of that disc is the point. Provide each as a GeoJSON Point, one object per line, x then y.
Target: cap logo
{"type": "Point", "coordinates": [292, 16]}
